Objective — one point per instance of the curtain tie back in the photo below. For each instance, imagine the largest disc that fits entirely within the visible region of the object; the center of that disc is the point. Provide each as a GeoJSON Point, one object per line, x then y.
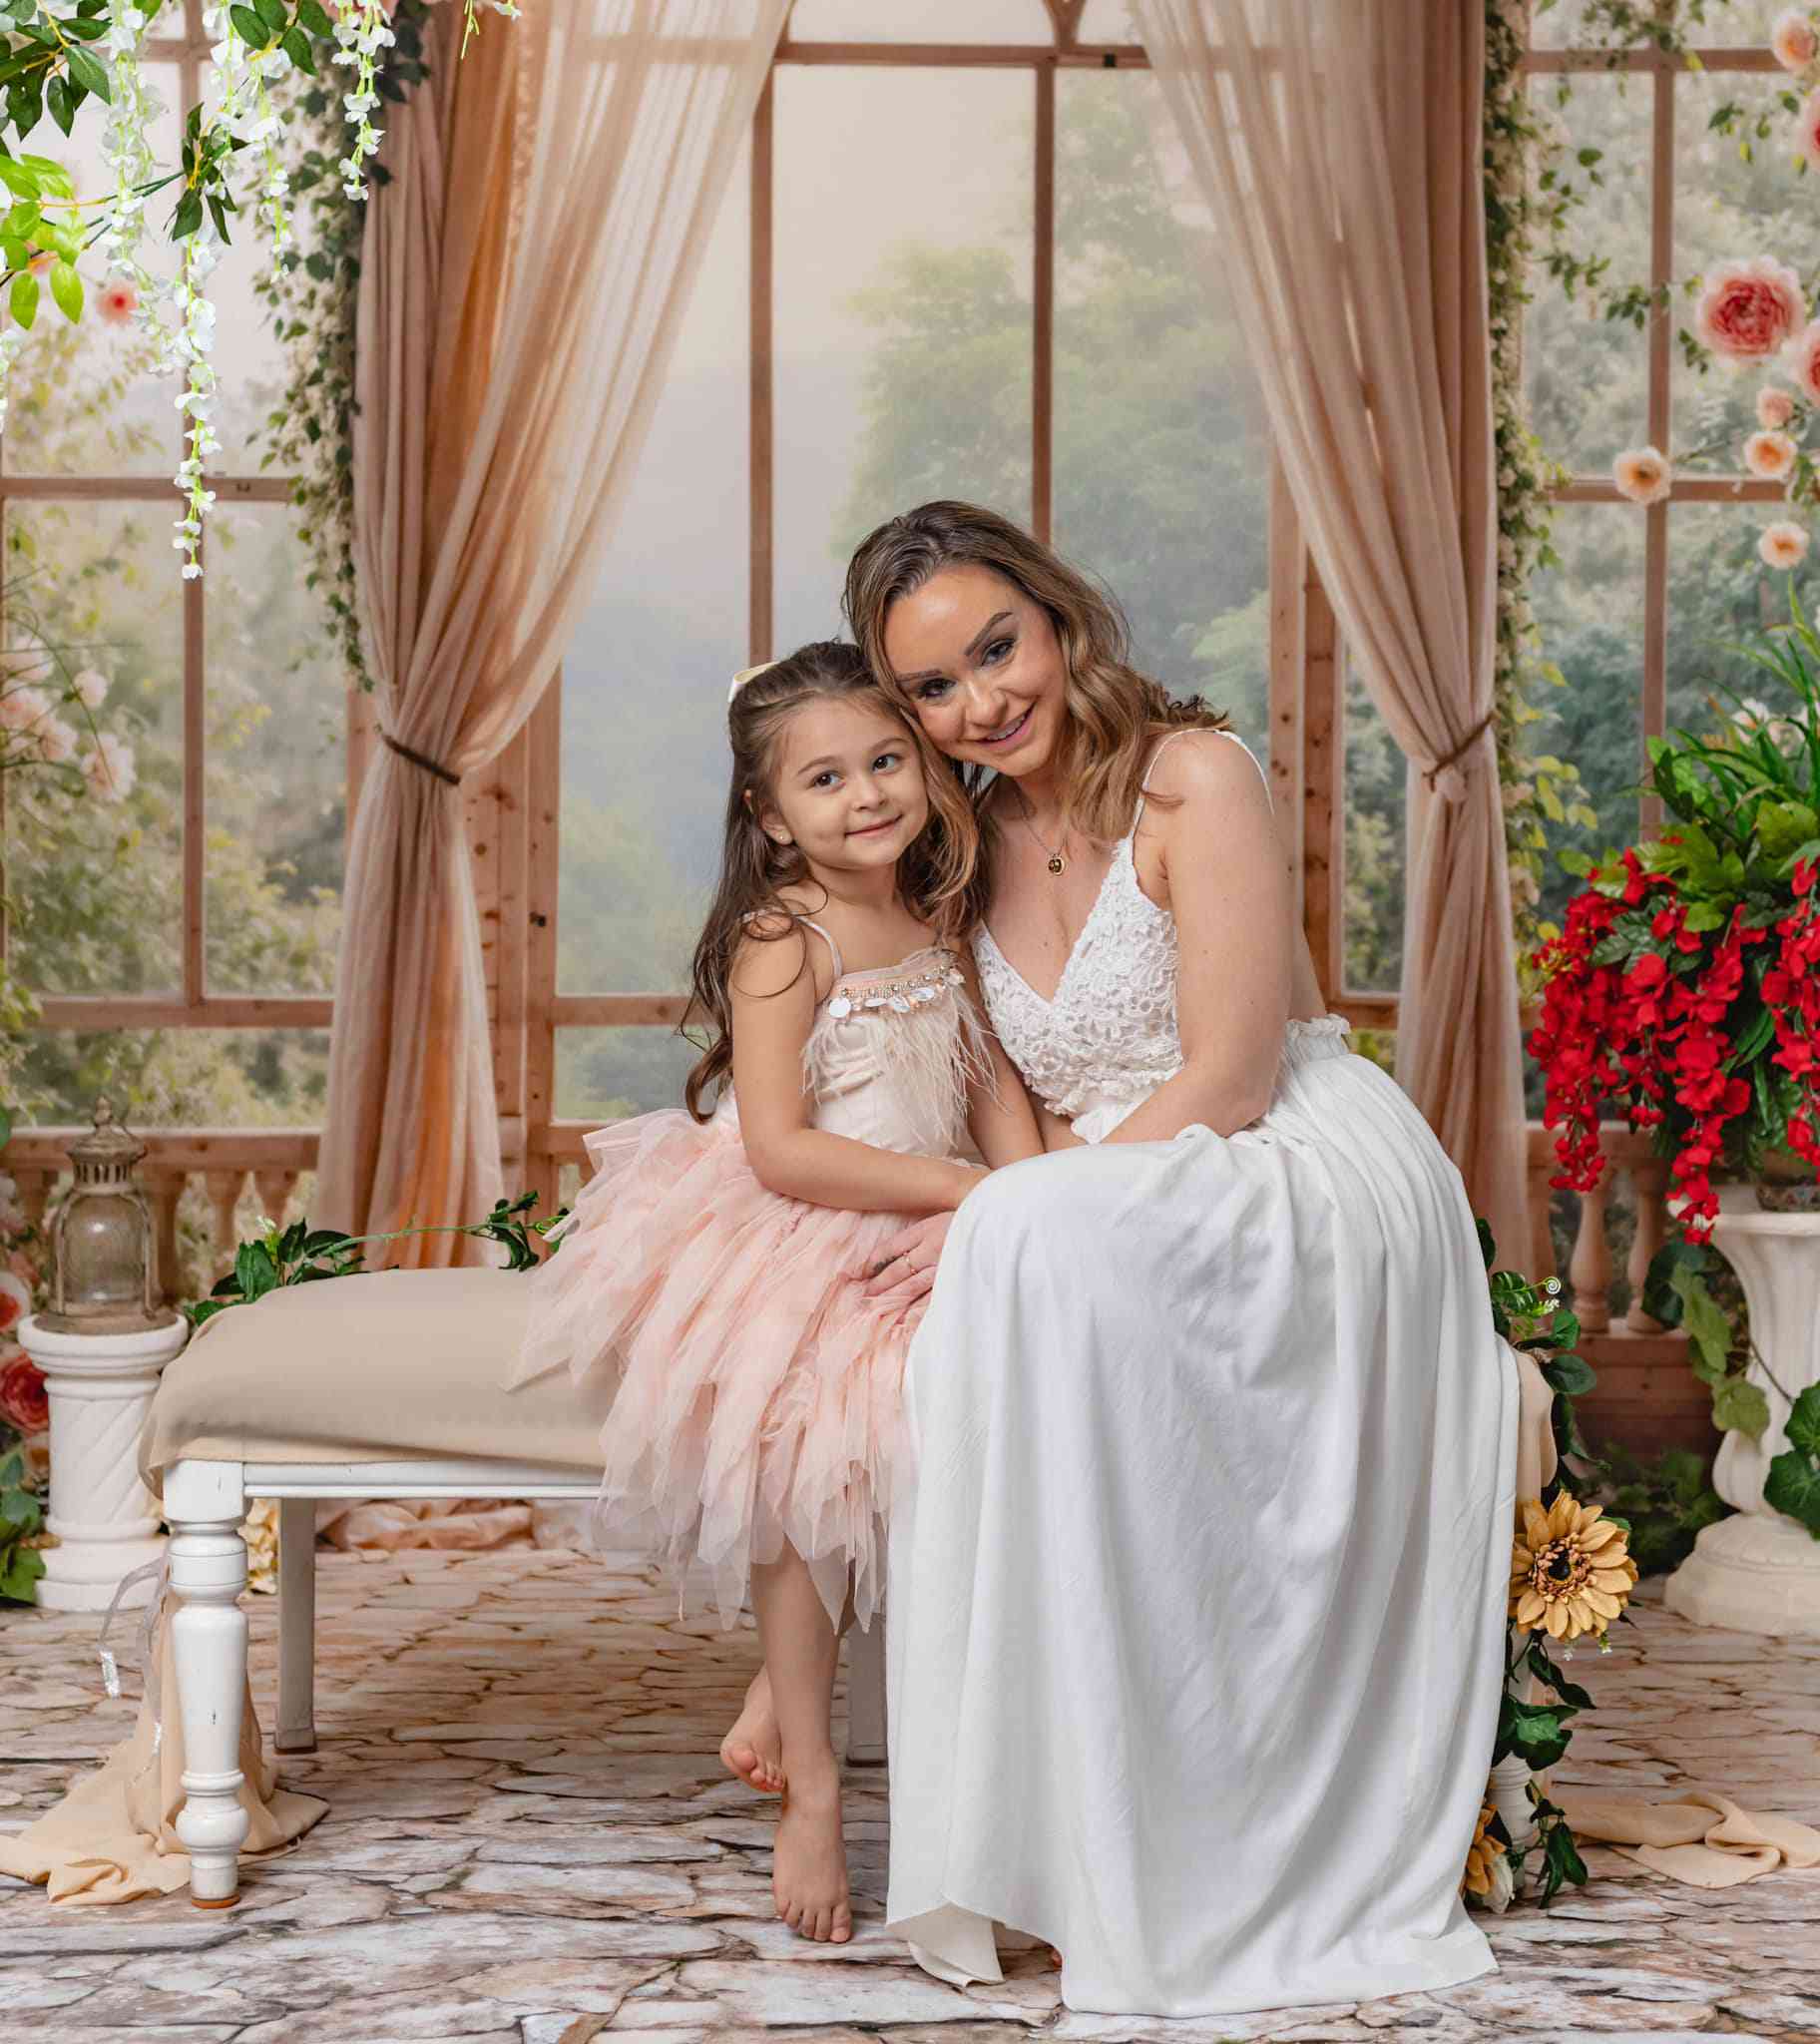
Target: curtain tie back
{"type": "Point", "coordinates": [1445, 777]}
{"type": "Point", "coordinates": [422, 760]}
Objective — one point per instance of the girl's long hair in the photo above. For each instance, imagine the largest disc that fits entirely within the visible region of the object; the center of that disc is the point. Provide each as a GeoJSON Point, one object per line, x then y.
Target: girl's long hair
{"type": "Point", "coordinates": [754, 868]}
{"type": "Point", "coordinates": [1113, 712]}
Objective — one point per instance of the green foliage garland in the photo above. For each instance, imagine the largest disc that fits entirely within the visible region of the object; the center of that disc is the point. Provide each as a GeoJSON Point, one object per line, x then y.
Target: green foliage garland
{"type": "Point", "coordinates": [311, 294]}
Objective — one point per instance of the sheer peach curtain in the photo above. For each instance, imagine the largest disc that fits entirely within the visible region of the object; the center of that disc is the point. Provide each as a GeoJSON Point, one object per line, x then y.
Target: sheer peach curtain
{"type": "Point", "coordinates": [523, 277]}
{"type": "Point", "coordinates": [1337, 144]}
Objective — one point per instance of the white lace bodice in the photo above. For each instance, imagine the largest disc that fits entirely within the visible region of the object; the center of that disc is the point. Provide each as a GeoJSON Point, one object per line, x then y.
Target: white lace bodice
{"type": "Point", "coordinates": [1109, 1037]}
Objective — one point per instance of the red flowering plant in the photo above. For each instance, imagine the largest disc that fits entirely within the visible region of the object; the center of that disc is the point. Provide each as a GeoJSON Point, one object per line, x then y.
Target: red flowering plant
{"type": "Point", "coordinates": [1683, 991]}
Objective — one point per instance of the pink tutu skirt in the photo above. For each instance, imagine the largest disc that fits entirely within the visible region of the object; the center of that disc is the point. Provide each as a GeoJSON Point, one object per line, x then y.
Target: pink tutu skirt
{"type": "Point", "coordinates": [759, 1387]}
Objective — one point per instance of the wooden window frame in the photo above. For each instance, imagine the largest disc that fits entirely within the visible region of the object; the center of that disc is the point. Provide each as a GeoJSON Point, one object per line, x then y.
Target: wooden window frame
{"type": "Point", "coordinates": [190, 1004]}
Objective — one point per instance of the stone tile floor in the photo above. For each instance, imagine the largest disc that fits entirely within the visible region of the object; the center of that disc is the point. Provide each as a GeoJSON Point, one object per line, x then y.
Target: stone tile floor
{"type": "Point", "coordinates": [530, 1841]}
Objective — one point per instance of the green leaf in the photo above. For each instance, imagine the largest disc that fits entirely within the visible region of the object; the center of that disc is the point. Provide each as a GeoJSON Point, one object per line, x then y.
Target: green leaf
{"type": "Point", "coordinates": [1803, 1424]}
{"type": "Point", "coordinates": [21, 1570]}
{"type": "Point", "coordinates": [6, 1125]}
{"type": "Point", "coordinates": [1561, 1860]}
{"type": "Point", "coordinates": [1570, 1375]}
{"type": "Point", "coordinates": [189, 216]}
{"type": "Point", "coordinates": [18, 178]}
{"type": "Point", "coordinates": [88, 71]}
{"type": "Point", "coordinates": [1740, 1406]}
{"type": "Point", "coordinates": [1793, 1486]}
{"type": "Point", "coordinates": [248, 27]}
{"type": "Point", "coordinates": [63, 98]}
{"type": "Point", "coordinates": [295, 45]}
{"type": "Point", "coordinates": [1707, 1327]}
{"type": "Point", "coordinates": [66, 288]}
{"type": "Point", "coordinates": [291, 1242]}
{"type": "Point", "coordinates": [1782, 826]}
{"type": "Point", "coordinates": [23, 304]}
{"type": "Point", "coordinates": [316, 18]}
{"type": "Point", "coordinates": [273, 13]}
{"type": "Point", "coordinates": [253, 1267]}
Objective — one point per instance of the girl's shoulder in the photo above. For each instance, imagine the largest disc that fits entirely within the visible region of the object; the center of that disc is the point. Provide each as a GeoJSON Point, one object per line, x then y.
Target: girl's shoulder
{"type": "Point", "coordinates": [780, 948]}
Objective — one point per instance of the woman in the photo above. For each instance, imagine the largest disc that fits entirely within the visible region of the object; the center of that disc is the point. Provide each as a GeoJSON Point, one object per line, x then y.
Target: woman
{"type": "Point", "coordinates": [1198, 1611]}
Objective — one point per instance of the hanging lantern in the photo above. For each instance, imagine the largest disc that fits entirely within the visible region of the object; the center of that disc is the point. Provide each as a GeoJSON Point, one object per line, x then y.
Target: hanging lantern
{"type": "Point", "coordinates": [104, 1274]}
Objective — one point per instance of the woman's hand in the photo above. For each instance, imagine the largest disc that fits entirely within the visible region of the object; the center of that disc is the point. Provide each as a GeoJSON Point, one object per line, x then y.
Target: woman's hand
{"type": "Point", "coordinates": [910, 1258]}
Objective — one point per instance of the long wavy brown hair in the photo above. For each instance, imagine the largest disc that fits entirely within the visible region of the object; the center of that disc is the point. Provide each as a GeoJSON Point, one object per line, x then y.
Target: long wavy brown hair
{"type": "Point", "coordinates": [748, 899]}
{"type": "Point", "coordinates": [1114, 712]}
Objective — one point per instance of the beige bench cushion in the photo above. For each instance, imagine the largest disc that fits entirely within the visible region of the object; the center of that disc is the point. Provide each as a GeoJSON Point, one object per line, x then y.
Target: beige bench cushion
{"type": "Point", "coordinates": [395, 1365]}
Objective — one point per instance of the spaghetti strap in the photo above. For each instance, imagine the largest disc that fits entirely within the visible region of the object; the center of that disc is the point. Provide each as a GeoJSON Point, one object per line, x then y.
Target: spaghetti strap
{"type": "Point", "coordinates": [1162, 746]}
{"type": "Point", "coordinates": [833, 948]}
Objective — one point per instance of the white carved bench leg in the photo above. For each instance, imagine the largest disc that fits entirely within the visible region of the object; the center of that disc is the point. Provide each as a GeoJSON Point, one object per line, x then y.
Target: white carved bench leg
{"type": "Point", "coordinates": [296, 1732]}
{"type": "Point", "coordinates": [866, 1695]}
{"type": "Point", "coordinates": [204, 1503]}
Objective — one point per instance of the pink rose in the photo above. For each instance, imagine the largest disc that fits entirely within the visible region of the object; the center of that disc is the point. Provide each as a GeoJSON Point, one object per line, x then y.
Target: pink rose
{"type": "Point", "coordinates": [1807, 127]}
{"type": "Point", "coordinates": [24, 1402]}
{"type": "Point", "coordinates": [1803, 359]}
{"type": "Point", "coordinates": [1748, 310]}
{"type": "Point", "coordinates": [1782, 545]}
{"type": "Point", "coordinates": [1641, 474]}
{"type": "Point", "coordinates": [1794, 39]}
{"type": "Point", "coordinates": [1774, 407]}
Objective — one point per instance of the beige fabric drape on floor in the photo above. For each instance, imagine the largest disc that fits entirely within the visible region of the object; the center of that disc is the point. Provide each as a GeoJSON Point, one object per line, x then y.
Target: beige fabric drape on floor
{"type": "Point", "coordinates": [523, 277]}
{"type": "Point", "coordinates": [1337, 144]}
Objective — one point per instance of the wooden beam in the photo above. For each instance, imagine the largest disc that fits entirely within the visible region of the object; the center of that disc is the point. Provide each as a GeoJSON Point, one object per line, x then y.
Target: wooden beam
{"type": "Point", "coordinates": [171, 1011]}
{"type": "Point", "coordinates": [543, 848]}
{"type": "Point", "coordinates": [1661, 426]}
{"type": "Point", "coordinates": [617, 1011]}
{"type": "Point", "coordinates": [1322, 818]}
{"type": "Point", "coordinates": [1286, 664]}
{"type": "Point", "coordinates": [196, 794]}
{"type": "Point", "coordinates": [761, 572]}
{"type": "Point", "coordinates": [1042, 312]}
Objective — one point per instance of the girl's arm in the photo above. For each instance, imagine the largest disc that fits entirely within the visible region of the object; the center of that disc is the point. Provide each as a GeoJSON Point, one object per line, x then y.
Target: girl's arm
{"type": "Point", "coordinates": [1000, 1114]}
{"type": "Point", "coordinates": [1229, 894]}
{"type": "Point", "coordinates": [773, 997]}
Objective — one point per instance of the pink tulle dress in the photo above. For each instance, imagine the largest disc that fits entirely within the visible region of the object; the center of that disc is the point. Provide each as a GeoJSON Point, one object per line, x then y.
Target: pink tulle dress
{"type": "Point", "coordinates": [759, 1387]}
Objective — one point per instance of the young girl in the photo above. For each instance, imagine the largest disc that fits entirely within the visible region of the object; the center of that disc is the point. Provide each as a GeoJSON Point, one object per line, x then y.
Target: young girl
{"type": "Point", "coordinates": [717, 1261]}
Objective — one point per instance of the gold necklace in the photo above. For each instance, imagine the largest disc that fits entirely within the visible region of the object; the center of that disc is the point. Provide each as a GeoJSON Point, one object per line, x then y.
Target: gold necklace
{"type": "Point", "coordinates": [1057, 862]}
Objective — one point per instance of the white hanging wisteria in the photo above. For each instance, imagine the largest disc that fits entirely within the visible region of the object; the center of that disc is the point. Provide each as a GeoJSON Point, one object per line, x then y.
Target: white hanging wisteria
{"type": "Point", "coordinates": [362, 31]}
{"type": "Point", "coordinates": [55, 55]}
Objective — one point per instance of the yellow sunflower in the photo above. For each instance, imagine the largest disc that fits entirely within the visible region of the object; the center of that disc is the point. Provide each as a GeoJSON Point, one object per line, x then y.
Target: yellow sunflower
{"type": "Point", "coordinates": [1571, 1569]}
{"type": "Point", "coordinates": [1483, 1857]}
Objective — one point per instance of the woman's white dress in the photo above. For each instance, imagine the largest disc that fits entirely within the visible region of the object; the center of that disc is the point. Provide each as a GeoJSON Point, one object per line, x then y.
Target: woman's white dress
{"type": "Point", "coordinates": [1196, 1601]}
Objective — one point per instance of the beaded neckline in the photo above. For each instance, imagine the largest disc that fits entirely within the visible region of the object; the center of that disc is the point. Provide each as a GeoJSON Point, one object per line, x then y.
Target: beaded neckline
{"type": "Point", "coordinates": [897, 987]}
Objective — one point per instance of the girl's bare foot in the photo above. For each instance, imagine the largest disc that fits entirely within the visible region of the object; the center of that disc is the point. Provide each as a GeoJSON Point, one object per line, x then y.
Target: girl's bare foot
{"type": "Point", "coordinates": [753, 1749]}
{"type": "Point", "coordinates": [810, 1861]}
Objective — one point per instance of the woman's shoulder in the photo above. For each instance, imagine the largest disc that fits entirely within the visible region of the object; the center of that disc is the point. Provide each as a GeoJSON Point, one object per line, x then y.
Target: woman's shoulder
{"type": "Point", "coordinates": [1204, 764]}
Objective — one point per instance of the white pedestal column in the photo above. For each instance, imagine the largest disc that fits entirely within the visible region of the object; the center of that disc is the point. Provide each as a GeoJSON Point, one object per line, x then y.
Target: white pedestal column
{"type": "Point", "coordinates": [103, 1517]}
{"type": "Point", "coordinates": [1760, 1572]}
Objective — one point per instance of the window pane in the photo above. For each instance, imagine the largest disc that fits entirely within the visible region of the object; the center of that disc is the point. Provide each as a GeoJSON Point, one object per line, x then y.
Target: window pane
{"type": "Point", "coordinates": [1589, 613]}
{"type": "Point", "coordinates": [1107, 21]}
{"type": "Point", "coordinates": [1740, 21]}
{"type": "Point", "coordinates": [97, 889]}
{"type": "Point", "coordinates": [903, 318]}
{"type": "Point", "coordinates": [83, 400]}
{"type": "Point", "coordinates": [248, 356]}
{"type": "Point", "coordinates": [604, 1075]}
{"type": "Point", "coordinates": [645, 759]}
{"type": "Point", "coordinates": [1725, 209]}
{"type": "Point", "coordinates": [929, 21]}
{"type": "Point", "coordinates": [181, 1077]}
{"type": "Point", "coordinates": [1375, 776]}
{"type": "Point", "coordinates": [276, 756]}
{"type": "Point", "coordinates": [1559, 24]}
{"type": "Point", "coordinates": [1586, 376]}
{"type": "Point", "coordinates": [1162, 459]}
{"type": "Point", "coordinates": [1718, 593]}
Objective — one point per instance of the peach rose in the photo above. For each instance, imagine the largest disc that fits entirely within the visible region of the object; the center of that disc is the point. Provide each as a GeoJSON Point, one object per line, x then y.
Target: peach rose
{"type": "Point", "coordinates": [1774, 409]}
{"type": "Point", "coordinates": [1641, 474]}
{"type": "Point", "coordinates": [24, 1402]}
{"type": "Point", "coordinates": [1769, 455]}
{"type": "Point", "coordinates": [1794, 39]}
{"type": "Point", "coordinates": [1782, 545]}
{"type": "Point", "coordinates": [1748, 311]}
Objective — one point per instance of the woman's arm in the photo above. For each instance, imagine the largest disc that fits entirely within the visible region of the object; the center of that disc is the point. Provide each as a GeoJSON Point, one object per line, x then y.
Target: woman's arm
{"type": "Point", "coordinates": [1000, 1114]}
{"type": "Point", "coordinates": [773, 997]}
{"type": "Point", "coordinates": [1228, 890]}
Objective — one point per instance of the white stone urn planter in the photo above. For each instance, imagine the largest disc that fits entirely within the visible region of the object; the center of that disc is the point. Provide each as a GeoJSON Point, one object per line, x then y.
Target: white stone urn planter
{"type": "Point", "coordinates": [103, 1517]}
{"type": "Point", "coordinates": [1760, 1572]}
